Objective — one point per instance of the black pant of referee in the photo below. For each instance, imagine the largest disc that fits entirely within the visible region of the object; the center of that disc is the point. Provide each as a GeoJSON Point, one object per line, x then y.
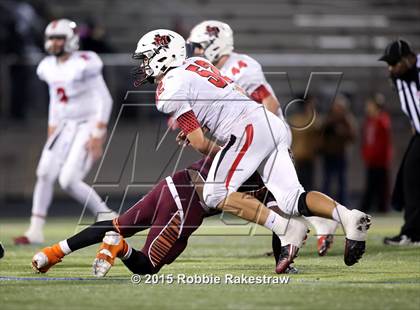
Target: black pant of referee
{"type": "Point", "coordinates": [407, 194]}
{"type": "Point", "coordinates": [404, 69]}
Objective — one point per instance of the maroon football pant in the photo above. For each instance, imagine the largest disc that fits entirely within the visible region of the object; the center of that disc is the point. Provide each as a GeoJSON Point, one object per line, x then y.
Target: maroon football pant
{"type": "Point", "coordinates": [170, 224]}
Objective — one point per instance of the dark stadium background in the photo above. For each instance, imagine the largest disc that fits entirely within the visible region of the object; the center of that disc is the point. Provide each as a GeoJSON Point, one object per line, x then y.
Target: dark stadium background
{"type": "Point", "coordinates": [338, 40]}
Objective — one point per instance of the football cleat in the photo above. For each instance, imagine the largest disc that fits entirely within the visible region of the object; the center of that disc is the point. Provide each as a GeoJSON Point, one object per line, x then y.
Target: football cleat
{"type": "Point", "coordinates": [287, 255]}
{"type": "Point", "coordinates": [400, 240]}
{"type": "Point", "coordinates": [291, 270]}
{"type": "Point", "coordinates": [324, 244]}
{"type": "Point", "coordinates": [113, 246]}
{"type": "Point", "coordinates": [48, 257]}
{"type": "Point", "coordinates": [353, 251]}
{"type": "Point", "coordinates": [356, 235]}
{"type": "Point", "coordinates": [25, 240]}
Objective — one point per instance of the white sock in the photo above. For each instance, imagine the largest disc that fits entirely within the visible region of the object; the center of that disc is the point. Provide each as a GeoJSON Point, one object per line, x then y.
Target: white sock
{"type": "Point", "coordinates": [41, 201]}
{"type": "Point", "coordinates": [339, 213]}
{"type": "Point", "coordinates": [276, 223]}
{"type": "Point", "coordinates": [289, 230]}
{"type": "Point", "coordinates": [64, 247]}
{"type": "Point", "coordinates": [36, 227]}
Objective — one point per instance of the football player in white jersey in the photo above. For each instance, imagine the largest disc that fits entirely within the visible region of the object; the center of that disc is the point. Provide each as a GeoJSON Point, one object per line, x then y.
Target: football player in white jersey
{"type": "Point", "coordinates": [194, 93]}
{"type": "Point", "coordinates": [214, 40]}
{"type": "Point", "coordinates": [79, 109]}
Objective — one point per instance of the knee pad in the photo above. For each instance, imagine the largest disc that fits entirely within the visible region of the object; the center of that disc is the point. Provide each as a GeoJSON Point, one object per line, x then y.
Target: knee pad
{"type": "Point", "coordinates": [302, 206]}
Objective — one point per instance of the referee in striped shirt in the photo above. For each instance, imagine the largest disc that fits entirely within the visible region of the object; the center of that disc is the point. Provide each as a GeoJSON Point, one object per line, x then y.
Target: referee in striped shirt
{"type": "Point", "coordinates": [404, 69]}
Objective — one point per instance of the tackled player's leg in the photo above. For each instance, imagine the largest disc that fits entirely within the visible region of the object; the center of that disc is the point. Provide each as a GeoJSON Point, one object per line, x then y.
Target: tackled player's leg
{"type": "Point", "coordinates": [250, 143]}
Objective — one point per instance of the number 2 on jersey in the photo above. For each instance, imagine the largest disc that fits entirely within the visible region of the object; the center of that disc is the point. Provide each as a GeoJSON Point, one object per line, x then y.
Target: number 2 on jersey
{"type": "Point", "coordinates": [61, 94]}
{"type": "Point", "coordinates": [208, 71]}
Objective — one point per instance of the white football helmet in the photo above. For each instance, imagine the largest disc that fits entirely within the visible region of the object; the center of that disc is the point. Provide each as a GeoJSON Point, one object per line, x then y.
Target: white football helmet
{"type": "Point", "coordinates": [62, 28]}
{"type": "Point", "coordinates": [158, 51]}
{"type": "Point", "coordinates": [216, 38]}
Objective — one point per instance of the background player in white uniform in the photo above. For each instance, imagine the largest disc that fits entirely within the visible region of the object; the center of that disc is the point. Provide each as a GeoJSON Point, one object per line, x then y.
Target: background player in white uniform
{"type": "Point", "coordinates": [195, 93]}
{"type": "Point", "coordinates": [214, 40]}
{"type": "Point", "coordinates": [79, 110]}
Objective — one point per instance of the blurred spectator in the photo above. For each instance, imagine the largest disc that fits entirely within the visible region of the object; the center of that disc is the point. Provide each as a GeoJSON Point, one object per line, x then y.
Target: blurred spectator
{"type": "Point", "coordinates": [376, 153]}
{"type": "Point", "coordinates": [93, 38]}
{"type": "Point", "coordinates": [338, 132]}
{"type": "Point", "coordinates": [306, 141]}
{"type": "Point", "coordinates": [22, 27]}
{"type": "Point", "coordinates": [21, 33]}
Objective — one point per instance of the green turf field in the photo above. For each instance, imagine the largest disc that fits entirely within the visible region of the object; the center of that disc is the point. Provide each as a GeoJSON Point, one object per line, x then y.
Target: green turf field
{"type": "Point", "coordinates": [386, 278]}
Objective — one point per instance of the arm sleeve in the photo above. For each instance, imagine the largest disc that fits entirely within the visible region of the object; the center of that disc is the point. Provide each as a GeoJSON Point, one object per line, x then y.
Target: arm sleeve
{"type": "Point", "coordinates": [260, 93]}
{"type": "Point", "coordinates": [254, 81]}
{"type": "Point", "coordinates": [188, 122]}
{"type": "Point", "coordinates": [103, 98]}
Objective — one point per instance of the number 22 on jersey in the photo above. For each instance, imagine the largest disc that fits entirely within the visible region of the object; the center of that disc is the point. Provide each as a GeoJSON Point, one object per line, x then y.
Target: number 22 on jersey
{"type": "Point", "coordinates": [208, 71]}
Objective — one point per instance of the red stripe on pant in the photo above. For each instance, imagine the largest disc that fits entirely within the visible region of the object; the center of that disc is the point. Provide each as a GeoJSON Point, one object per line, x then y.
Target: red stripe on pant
{"type": "Point", "coordinates": [249, 131]}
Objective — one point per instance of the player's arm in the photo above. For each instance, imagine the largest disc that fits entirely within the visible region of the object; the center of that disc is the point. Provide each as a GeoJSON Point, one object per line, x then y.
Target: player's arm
{"type": "Point", "coordinates": [259, 89]}
{"type": "Point", "coordinates": [51, 130]}
{"type": "Point", "coordinates": [201, 143]}
{"type": "Point", "coordinates": [104, 102]}
{"type": "Point", "coordinates": [192, 132]}
{"type": "Point", "coordinates": [271, 104]}
{"type": "Point", "coordinates": [53, 113]}
{"type": "Point", "coordinates": [262, 95]}
{"type": "Point", "coordinates": [53, 116]}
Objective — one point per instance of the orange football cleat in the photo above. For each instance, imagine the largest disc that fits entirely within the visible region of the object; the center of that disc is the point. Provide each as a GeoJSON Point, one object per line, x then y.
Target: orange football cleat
{"type": "Point", "coordinates": [113, 246]}
{"type": "Point", "coordinates": [48, 257]}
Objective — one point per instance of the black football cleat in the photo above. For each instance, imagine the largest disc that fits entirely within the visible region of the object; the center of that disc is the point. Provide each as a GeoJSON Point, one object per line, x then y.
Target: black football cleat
{"type": "Point", "coordinates": [401, 240]}
{"type": "Point", "coordinates": [291, 270]}
{"type": "Point", "coordinates": [353, 251]}
{"type": "Point", "coordinates": [287, 255]}
{"type": "Point", "coordinates": [356, 236]}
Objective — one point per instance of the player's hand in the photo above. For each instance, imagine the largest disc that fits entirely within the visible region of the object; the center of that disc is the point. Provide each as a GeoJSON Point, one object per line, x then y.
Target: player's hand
{"type": "Point", "coordinates": [172, 123]}
{"type": "Point", "coordinates": [95, 147]}
{"type": "Point", "coordinates": [51, 130]}
{"type": "Point", "coordinates": [181, 138]}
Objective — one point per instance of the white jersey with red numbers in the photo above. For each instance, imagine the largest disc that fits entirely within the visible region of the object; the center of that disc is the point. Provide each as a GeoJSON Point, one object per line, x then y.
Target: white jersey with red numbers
{"type": "Point", "coordinates": [198, 88]}
{"type": "Point", "coordinates": [196, 94]}
{"type": "Point", "coordinates": [76, 87]}
{"type": "Point", "coordinates": [248, 74]}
